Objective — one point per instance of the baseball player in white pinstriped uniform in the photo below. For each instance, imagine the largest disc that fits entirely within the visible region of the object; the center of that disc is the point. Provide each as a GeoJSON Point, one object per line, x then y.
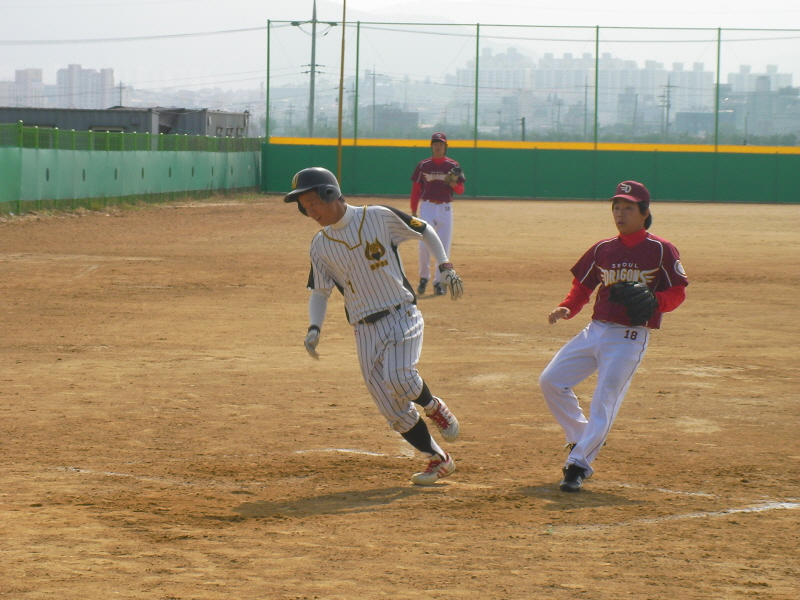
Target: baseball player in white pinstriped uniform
{"type": "Point", "coordinates": [356, 252]}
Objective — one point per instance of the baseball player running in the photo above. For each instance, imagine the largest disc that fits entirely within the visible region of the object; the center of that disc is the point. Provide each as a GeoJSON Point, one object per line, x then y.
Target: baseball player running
{"type": "Point", "coordinates": [640, 276]}
{"type": "Point", "coordinates": [435, 180]}
{"type": "Point", "coordinates": [356, 252]}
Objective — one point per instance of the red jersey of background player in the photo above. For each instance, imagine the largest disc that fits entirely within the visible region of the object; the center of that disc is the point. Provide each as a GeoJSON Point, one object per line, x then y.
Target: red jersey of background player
{"type": "Point", "coordinates": [641, 257]}
{"type": "Point", "coordinates": [429, 183]}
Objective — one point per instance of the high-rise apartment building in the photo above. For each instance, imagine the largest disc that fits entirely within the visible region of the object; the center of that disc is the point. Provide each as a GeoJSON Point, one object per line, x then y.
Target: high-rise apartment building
{"type": "Point", "coordinates": [27, 89]}
{"type": "Point", "coordinates": [85, 88]}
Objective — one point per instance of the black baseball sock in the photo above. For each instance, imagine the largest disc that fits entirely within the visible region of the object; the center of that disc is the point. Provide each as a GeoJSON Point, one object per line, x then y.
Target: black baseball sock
{"type": "Point", "coordinates": [419, 437]}
{"type": "Point", "coordinates": [425, 397]}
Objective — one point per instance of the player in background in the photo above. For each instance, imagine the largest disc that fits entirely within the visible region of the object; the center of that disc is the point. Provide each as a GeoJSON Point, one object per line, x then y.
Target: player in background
{"type": "Point", "coordinates": [435, 180]}
{"type": "Point", "coordinates": [356, 252]}
{"type": "Point", "coordinates": [615, 341]}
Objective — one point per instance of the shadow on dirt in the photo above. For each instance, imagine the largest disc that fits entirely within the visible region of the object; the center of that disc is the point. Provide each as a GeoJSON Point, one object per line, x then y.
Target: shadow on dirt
{"type": "Point", "coordinates": [338, 503]}
{"type": "Point", "coordinates": [557, 500]}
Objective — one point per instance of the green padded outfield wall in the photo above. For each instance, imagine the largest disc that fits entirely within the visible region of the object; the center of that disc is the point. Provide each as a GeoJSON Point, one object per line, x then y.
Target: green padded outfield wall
{"type": "Point", "coordinates": [10, 178]}
{"type": "Point", "coordinates": [550, 171]}
{"type": "Point", "coordinates": [35, 179]}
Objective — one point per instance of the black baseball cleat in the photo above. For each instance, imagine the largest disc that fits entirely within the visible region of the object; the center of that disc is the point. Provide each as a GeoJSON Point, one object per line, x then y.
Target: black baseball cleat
{"type": "Point", "coordinates": [438, 289]}
{"type": "Point", "coordinates": [573, 478]}
{"type": "Point", "coordinates": [423, 283]}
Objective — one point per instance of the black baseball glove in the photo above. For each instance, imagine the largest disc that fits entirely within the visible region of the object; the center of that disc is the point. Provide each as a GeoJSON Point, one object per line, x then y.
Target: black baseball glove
{"type": "Point", "coordinates": [637, 298]}
{"type": "Point", "coordinates": [453, 175]}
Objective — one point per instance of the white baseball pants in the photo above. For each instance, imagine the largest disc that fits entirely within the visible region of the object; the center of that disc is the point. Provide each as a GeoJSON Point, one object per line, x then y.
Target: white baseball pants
{"type": "Point", "coordinates": [388, 352]}
{"type": "Point", "coordinates": [440, 217]}
{"type": "Point", "coordinates": [615, 352]}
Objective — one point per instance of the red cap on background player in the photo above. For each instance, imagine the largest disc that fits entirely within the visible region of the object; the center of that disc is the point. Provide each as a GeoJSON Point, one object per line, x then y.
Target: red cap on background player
{"type": "Point", "coordinates": [633, 191]}
{"type": "Point", "coordinates": [439, 137]}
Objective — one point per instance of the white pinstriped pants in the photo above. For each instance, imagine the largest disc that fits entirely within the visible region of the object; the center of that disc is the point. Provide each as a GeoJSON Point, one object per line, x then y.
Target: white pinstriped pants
{"type": "Point", "coordinates": [615, 352]}
{"type": "Point", "coordinates": [388, 352]}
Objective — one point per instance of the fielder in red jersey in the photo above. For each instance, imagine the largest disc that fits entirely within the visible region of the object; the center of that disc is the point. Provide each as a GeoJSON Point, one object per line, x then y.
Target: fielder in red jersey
{"type": "Point", "coordinates": [435, 179]}
{"type": "Point", "coordinates": [610, 345]}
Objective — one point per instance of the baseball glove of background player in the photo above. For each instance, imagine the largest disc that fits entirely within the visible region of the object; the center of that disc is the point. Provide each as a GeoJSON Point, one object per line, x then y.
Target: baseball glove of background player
{"type": "Point", "coordinates": [637, 298]}
{"type": "Point", "coordinates": [453, 175]}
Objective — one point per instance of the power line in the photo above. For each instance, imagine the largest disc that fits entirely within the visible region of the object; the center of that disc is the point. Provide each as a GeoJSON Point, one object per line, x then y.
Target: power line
{"type": "Point", "coordinates": [374, 26]}
{"type": "Point", "coordinates": [94, 4]}
{"type": "Point", "coordinates": [128, 39]}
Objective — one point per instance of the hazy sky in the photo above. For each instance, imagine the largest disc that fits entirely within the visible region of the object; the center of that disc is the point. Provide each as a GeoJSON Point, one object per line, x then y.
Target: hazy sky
{"type": "Point", "coordinates": [237, 60]}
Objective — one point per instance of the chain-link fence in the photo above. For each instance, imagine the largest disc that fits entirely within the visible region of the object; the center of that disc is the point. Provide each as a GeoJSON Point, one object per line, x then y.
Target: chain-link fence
{"type": "Point", "coordinates": [528, 83]}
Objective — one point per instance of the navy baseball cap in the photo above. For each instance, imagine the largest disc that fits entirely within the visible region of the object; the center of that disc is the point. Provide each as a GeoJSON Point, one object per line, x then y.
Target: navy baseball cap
{"type": "Point", "coordinates": [439, 137]}
{"type": "Point", "coordinates": [632, 191]}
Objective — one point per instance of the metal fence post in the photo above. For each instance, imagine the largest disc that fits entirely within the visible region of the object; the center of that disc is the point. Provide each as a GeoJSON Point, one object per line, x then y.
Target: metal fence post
{"type": "Point", "coordinates": [477, 80]}
{"type": "Point", "coordinates": [266, 113]}
{"type": "Point", "coordinates": [355, 100]}
{"type": "Point", "coordinates": [596, 83]}
{"type": "Point", "coordinates": [716, 95]}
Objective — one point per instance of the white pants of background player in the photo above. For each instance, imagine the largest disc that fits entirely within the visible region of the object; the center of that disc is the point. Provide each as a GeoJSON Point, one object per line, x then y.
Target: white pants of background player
{"type": "Point", "coordinates": [615, 352]}
{"type": "Point", "coordinates": [440, 217]}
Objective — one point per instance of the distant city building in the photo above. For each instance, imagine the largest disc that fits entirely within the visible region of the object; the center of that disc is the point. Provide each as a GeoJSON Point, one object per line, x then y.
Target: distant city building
{"type": "Point", "coordinates": [133, 120]}
{"type": "Point", "coordinates": [85, 88]}
{"type": "Point", "coordinates": [547, 96]}
{"type": "Point", "coordinates": [770, 81]}
{"type": "Point", "coordinates": [27, 89]}
{"type": "Point", "coordinates": [499, 74]}
{"type": "Point", "coordinates": [563, 89]}
{"type": "Point", "coordinates": [392, 119]}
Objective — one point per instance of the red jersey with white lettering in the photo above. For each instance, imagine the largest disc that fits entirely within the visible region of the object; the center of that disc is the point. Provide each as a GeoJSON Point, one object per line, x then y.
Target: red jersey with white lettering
{"type": "Point", "coordinates": [641, 257]}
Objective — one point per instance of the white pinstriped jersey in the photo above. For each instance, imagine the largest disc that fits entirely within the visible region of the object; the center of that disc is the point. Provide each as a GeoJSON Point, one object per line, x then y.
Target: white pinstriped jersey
{"type": "Point", "coordinates": [362, 261]}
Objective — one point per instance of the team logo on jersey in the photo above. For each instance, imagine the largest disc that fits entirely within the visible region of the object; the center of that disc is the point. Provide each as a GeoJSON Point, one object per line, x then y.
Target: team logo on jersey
{"type": "Point", "coordinates": [415, 223]}
{"type": "Point", "coordinates": [375, 251]}
{"type": "Point", "coordinates": [679, 268]}
{"type": "Point", "coordinates": [434, 176]}
{"type": "Point", "coordinates": [627, 273]}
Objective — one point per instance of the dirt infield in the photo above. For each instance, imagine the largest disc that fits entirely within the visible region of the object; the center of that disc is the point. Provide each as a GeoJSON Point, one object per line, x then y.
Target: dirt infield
{"type": "Point", "coordinates": [165, 436]}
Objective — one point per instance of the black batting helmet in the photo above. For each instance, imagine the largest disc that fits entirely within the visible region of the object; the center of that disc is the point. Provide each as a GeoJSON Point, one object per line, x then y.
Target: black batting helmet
{"type": "Point", "coordinates": [314, 178]}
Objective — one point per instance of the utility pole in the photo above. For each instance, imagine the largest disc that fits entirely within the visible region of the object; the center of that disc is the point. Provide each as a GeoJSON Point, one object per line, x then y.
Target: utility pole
{"type": "Point", "coordinates": [289, 114]}
{"type": "Point", "coordinates": [585, 107]}
{"type": "Point", "coordinates": [747, 114]}
{"type": "Point", "coordinates": [313, 66]}
{"type": "Point", "coordinates": [559, 103]}
{"type": "Point", "coordinates": [667, 104]}
{"type": "Point", "coordinates": [373, 100]}
{"type": "Point", "coordinates": [522, 122]}
{"type": "Point", "coordinates": [120, 93]}
{"type": "Point", "coordinates": [313, 71]}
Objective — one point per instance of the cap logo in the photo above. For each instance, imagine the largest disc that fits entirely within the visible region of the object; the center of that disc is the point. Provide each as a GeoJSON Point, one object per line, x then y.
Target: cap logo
{"type": "Point", "coordinates": [294, 181]}
{"type": "Point", "coordinates": [624, 187]}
